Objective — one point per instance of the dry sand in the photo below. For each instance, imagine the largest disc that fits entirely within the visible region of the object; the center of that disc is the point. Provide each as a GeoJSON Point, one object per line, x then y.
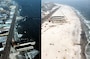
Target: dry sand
{"type": "Point", "coordinates": [62, 41]}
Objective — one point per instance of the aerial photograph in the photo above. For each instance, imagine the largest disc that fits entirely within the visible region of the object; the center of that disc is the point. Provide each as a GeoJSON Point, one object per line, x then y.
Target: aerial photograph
{"type": "Point", "coordinates": [65, 29]}
{"type": "Point", "coordinates": [20, 29]}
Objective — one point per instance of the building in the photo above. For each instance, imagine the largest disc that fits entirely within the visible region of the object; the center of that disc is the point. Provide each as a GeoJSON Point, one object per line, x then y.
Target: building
{"type": "Point", "coordinates": [57, 19]}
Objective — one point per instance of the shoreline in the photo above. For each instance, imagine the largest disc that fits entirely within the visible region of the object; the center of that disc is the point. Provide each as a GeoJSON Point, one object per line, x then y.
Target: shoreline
{"type": "Point", "coordinates": [46, 33]}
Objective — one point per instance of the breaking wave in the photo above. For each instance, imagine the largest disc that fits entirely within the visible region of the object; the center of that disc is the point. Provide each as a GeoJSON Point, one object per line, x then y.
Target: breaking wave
{"type": "Point", "coordinates": [87, 24]}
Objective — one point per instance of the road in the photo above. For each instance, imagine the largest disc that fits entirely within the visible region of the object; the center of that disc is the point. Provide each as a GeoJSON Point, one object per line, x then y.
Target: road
{"type": "Point", "coordinates": [9, 38]}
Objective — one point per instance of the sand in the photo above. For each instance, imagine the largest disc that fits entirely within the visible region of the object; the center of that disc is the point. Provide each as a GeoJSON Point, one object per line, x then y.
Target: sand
{"type": "Point", "coordinates": [62, 40]}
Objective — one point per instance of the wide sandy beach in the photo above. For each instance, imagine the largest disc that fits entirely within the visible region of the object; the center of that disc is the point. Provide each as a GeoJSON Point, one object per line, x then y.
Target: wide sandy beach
{"type": "Point", "coordinates": [62, 40]}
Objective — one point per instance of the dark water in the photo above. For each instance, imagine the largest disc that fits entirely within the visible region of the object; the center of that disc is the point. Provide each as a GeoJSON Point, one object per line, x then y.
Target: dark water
{"type": "Point", "coordinates": [82, 6]}
{"type": "Point", "coordinates": [31, 8]}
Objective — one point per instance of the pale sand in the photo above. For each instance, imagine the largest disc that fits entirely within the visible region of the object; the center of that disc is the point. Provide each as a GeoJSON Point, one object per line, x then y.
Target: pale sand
{"type": "Point", "coordinates": [61, 41]}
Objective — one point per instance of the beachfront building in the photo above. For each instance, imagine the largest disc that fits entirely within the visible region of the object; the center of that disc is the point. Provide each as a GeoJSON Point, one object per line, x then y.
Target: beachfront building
{"type": "Point", "coordinates": [57, 19]}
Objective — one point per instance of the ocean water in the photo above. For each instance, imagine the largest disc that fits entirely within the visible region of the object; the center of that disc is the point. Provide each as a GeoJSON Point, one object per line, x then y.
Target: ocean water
{"type": "Point", "coordinates": [81, 5]}
{"type": "Point", "coordinates": [32, 25]}
{"type": "Point", "coordinates": [31, 9]}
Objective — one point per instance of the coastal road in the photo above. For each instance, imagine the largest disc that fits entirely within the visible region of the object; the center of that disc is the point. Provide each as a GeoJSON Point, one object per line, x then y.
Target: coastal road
{"type": "Point", "coordinates": [9, 38]}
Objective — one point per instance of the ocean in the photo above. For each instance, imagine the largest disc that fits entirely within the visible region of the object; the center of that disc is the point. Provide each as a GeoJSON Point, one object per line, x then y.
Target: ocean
{"type": "Point", "coordinates": [31, 9]}
{"type": "Point", "coordinates": [81, 5]}
{"type": "Point", "coordinates": [32, 25]}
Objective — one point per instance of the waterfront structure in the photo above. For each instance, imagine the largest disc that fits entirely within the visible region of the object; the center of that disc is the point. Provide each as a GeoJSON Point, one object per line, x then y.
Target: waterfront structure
{"type": "Point", "coordinates": [12, 45]}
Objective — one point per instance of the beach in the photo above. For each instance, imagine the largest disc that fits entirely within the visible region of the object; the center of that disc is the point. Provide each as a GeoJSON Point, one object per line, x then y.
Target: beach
{"type": "Point", "coordinates": [62, 40]}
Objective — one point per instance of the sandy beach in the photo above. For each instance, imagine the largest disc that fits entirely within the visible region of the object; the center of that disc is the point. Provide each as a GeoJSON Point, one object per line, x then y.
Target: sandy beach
{"type": "Point", "coordinates": [62, 40]}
